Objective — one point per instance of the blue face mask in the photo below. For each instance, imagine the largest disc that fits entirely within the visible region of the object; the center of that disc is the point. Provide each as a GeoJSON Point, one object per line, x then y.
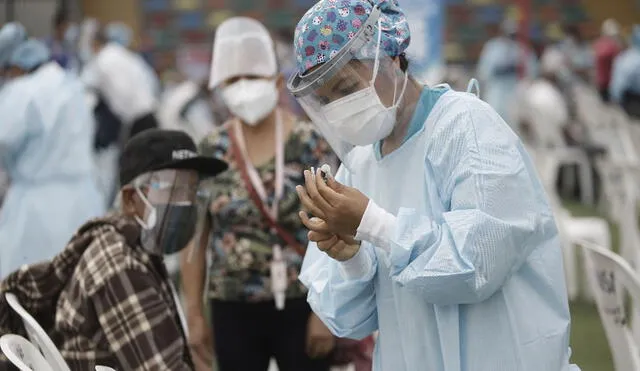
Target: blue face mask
{"type": "Point", "coordinates": [175, 230]}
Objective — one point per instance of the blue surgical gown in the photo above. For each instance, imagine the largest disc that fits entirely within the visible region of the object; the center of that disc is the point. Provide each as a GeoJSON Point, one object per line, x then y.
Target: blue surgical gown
{"type": "Point", "coordinates": [46, 148]}
{"type": "Point", "coordinates": [468, 275]}
{"type": "Point", "coordinates": [626, 74]}
{"type": "Point", "coordinates": [498, 69]}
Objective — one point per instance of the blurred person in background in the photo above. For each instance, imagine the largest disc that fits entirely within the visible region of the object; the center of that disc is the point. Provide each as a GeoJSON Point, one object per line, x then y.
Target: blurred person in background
{"type": "Point", "coordinates": [121, 77]}
{"type": "Point", "coordinates": [108, 126]}
{"type": "Point", "coordinates": [625, 78]}
{"type": "Point", "coordinates": [188, 107]}
{"type": "Point", "coordinates": [258, 306]}
{"type": "Point", "coordinates": [544, 105]}
{"type": "Point", "coordinates": [578, 52]}
{"type": "Point", "coordinates": [501, 61]}
{"type": "Point", "coordinates": [606, 48]}
{"type": "Point", "coordinates": [120, 33]}
{"type": "Point", "coordinates": [436, 224]}
{"type": "Point", "coordinates": [45, 147]}
{"type": "Point", "coordinates": [89, 27]}
{"type": "Point", "coordinates": [106, 299]}
{"type": "Point", "coordinates": [62, 42]}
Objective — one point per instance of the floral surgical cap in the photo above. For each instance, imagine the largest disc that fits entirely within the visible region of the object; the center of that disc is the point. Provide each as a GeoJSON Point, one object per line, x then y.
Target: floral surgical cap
{"type": "Point", "coordinates": [330, 24]}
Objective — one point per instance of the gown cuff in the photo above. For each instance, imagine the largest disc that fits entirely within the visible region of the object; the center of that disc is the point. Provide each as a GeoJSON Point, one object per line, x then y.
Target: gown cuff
{"type": "Point", "coordinates": [356, 267]}
{"type": "Point", "coordinates": [376, 226]}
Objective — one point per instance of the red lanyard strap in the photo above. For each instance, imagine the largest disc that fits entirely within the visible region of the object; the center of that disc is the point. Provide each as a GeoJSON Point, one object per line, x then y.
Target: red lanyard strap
{"type": "Point", "coordinates": [287, 237]}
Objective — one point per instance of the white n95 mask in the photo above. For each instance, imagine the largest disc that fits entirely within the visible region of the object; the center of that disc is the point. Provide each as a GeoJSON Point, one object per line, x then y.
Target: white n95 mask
{"type": "Point", "coordinates": [251, 100]}
{"type": "Point", "coordinates": [361, 118]}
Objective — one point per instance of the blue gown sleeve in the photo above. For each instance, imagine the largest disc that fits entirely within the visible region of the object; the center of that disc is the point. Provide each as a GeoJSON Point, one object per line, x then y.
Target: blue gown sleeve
{"type": "Point", "coordinates": [345, 303]}
{"type": "Point", "coordinates": [495, 212]}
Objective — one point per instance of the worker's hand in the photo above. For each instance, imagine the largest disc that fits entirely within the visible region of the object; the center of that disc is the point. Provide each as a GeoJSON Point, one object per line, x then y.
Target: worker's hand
{"type": "Point", "coordinates": [340, 248]}
{"type": "Point", "coordinates": [339, 206]}
{"type": "Point", "coordinates": [200, 342]}
{"type": "Point", "coordinates": [320, 341]}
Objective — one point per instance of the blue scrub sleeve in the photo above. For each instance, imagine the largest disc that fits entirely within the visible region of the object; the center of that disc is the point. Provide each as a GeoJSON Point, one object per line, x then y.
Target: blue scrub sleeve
{"type": "Point", "coordinates": [346, 304]}
{"type": "Point", "coordinates": [495, 214]}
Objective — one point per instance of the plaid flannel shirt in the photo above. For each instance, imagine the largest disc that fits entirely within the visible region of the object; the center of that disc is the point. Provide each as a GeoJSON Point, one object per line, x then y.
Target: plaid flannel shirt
{"type": "Point", "coordinates": [103, 300]}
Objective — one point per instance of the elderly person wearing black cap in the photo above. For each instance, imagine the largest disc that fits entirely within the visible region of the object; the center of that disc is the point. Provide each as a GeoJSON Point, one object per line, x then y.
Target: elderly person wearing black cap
{"type": "Point", "coordinates": [107, 298]}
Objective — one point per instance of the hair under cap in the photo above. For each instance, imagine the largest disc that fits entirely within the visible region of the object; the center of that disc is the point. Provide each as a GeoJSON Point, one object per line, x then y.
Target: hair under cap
{"type": "Point", "coordinates": [329, 25]}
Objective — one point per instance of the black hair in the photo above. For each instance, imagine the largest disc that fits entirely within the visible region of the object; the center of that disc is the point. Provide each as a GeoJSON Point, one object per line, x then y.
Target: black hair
{"type": "Point", "coordinates": [404, 62]}
{"type": "Point", "coordinates": [60, 18]}
{"type": "Point", "coordinates": [573, 30]}
{"type": "Point", "coordinates": [101, 36]}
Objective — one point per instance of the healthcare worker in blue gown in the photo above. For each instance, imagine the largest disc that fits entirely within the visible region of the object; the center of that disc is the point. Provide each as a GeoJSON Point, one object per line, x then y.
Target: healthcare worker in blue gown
{"type": "Point", "coordinates": [501, 62]}
{"type": "Point", "coordinates": [436, 230]}
{"type": "Point", "coordinates": [46, 149]}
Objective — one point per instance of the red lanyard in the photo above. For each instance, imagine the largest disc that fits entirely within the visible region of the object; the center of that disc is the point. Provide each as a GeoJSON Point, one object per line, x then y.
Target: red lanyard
{"type": "Point", "coordinates": [253, 175]}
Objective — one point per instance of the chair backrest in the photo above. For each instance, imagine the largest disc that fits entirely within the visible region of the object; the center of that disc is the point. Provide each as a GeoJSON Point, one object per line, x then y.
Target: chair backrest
{"type": "Point", "coordinates": [38, 336]}
{"type": "Point", "coordinates": [104, 368]}
{"type": "Point", "coordinates": [610, 277]}
{"type": "Point", "coordinates": [22, 354]}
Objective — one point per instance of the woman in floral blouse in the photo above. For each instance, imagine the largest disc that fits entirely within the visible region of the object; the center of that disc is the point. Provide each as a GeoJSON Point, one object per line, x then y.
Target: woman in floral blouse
{"type": "Point", "coordinates": [252, 226]}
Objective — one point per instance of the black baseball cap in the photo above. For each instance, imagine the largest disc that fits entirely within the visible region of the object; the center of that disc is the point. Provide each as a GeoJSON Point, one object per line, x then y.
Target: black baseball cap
{"type": "Point", "coordinates": [158, 149]}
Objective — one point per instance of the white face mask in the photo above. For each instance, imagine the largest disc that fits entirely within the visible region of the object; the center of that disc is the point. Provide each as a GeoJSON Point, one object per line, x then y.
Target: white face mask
{"type": "Point", "coordinates": [251, 100]}
{"type": "Point", "coordinates": [361, 118]}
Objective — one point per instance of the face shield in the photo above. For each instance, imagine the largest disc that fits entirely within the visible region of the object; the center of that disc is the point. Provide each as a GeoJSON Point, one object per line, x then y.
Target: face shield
{"type": "Point", "coordinates": [353, 97]}
{"type": "Point", "coordinates": [172, 209]}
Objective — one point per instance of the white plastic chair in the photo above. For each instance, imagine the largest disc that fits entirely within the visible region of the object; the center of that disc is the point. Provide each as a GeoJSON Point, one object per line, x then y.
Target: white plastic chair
{"type": "Point", "coordinates": [571, 229]}
{"type": "Point", "coordinates": [546, 127]}
{"type": "Point", "coordinates": [610, 277]}
{"type": "Point", "coordinates": [104, 368]}
{"type": "Point", "coordinates": [38, 336]}
{"type": "Point", "coordinates": [23, 354]}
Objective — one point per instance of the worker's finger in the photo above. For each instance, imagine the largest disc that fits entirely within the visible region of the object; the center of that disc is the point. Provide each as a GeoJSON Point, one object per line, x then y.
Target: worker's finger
{"type": "Point", "coordinates": [312, 191]}
{"type": "Point", "coordinates": [319, 237]}
{"type": "Point", "coordinates": [308, 203]}
{"type": "Point", "coordinates": [314, 224]}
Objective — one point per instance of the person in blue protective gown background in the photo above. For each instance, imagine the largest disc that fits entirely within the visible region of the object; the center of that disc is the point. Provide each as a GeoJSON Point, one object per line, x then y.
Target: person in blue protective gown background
{"type": "Point", "coordinates": [46, 149]}
{"type": "Point", "coordinates": [436, 230]}
{"type": "Point", "coordinates": [501, 61]}
{"type": "Point", "coordinates": [624, 88]}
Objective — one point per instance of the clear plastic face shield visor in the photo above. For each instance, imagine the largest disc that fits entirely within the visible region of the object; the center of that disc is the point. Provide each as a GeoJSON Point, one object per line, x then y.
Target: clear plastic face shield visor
{"type": "Point", "coordinates": [344, 87]}
{"type": "Point", "coordinates": [173, 209]}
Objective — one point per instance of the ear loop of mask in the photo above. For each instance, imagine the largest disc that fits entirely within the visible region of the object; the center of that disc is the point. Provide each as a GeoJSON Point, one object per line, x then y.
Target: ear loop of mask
{"type": "Point", "coordinates": [474, 85]}
{"type": "Point", "coordinates": [376, 67]}
{"type": "Point", "coordinates": [152, 217]}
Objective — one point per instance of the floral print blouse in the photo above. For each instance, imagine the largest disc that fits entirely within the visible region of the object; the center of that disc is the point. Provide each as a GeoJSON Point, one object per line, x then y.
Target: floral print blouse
{"type": "Point", "coordinates": [240, 238]}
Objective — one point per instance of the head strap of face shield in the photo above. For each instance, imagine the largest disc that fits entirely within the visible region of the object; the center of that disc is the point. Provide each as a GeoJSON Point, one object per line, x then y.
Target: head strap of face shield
{"type": "Point", "coordinates": [303, 84]}
{"type": "Point", "coordinates": [139, 182]}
